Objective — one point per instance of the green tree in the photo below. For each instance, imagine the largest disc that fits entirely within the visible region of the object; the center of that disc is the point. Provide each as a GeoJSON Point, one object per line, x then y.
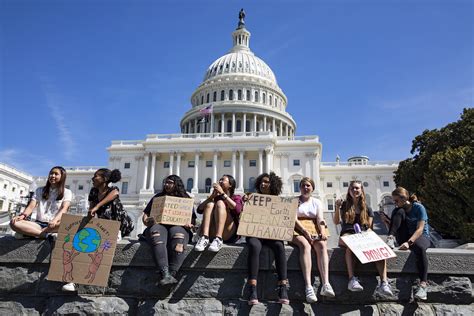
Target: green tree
{"type": "Point", "coordinates": [441, 173]}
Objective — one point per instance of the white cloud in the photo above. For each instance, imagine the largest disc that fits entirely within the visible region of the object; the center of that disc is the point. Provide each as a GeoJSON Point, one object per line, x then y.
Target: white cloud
{"type": "Point", "coordinates": [55, 102]}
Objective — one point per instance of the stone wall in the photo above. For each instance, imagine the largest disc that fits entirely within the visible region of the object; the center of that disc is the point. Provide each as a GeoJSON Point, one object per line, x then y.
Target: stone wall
{"type": "Point", "coordinates": [214, 284]}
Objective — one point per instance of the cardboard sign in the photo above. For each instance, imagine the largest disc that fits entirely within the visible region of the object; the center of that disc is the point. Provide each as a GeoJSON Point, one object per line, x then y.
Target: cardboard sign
{"type": "Point", "coordinates": [84, 250]}
{"type": "Point", "coordinates": [368, 247]}
{"type": "Point", "coordinates": [171, 210]}
{"type": "Point", "coordinates": [268, 217]}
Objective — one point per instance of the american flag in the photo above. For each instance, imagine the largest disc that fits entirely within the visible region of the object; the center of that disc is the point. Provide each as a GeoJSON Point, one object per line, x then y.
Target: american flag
{"type": "Point", "coordinates": [206, 111]}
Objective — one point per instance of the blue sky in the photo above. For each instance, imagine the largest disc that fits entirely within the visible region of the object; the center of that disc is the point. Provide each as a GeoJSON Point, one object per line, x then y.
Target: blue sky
{"type": "Point", "coordinates": [366, 76]}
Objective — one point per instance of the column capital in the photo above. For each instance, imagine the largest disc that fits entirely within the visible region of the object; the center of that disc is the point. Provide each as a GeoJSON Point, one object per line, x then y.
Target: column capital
{"type": "Point", "coordinates": [269, 150]}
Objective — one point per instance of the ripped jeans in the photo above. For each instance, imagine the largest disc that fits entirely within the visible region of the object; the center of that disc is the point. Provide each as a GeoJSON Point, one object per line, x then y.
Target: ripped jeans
{"type": "Point", "coordinates": [168, 244]}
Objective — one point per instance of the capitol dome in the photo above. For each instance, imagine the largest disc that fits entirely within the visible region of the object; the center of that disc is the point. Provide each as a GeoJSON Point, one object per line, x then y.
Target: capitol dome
{"type": "Point", "coordinates": [239, 93]}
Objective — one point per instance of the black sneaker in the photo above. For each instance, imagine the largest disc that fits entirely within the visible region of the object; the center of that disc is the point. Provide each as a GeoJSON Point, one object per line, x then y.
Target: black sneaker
{"type": "Point", "coordinates": [253, 298]}
{"type": "Point", "coordinates": [166, 277]}
{"type": "Point", "coordinates": [283, 293]}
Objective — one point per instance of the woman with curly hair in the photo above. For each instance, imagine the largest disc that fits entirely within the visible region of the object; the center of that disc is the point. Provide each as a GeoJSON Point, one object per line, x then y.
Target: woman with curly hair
{"type": "Point", "coordinates": [168, 242]}
{"type": "Point", "coordinates": [270, 184]}
{"type": "Point", "coordinates": [220, 218]}
{"type": "Point", "coordinates": [352, 211]}
{"type": "Point", "coordinates": [104, 200]}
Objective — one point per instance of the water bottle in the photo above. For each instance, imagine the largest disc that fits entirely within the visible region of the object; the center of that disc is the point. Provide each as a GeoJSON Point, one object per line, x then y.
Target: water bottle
{"type": "Point", "coordinates": [357, 228]}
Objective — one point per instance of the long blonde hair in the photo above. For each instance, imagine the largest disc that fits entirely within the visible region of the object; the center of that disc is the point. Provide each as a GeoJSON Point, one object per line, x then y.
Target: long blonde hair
{"type": "Point", "coordinates": [348, 206]}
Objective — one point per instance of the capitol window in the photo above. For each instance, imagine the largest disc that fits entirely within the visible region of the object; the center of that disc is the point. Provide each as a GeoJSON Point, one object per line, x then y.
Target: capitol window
{"type": "Point", "coordinates": [80, 187]}
{"type": "Point", "coordinates": [202, 99]}
{"type": "Point", "coordinates": [5, 186]}
{"type": "Point", "coordinates": [222, 95]}
{"type": "Point", "coordinates": [209, 163]}
{"type": "Point", "coordinates": [252, 163]}
{"type": "Point", "coordinates": [13, 189]}
{"type": "Point", "coordinates": [191, 164]}
{"type": "Point", "coordinates": [239, 94]}
{"type": "Point", "coordinates": [226, 163]}
{"type": "Point", "coordinates": [345, 184]}
{"type": "Point", "coordinates": [239, 126]}
{"type": "Point", "coordinates": [256, 96]}
{"type": "Point", "coordinates": [270, 100]}
{"type": "Point", "coordinates": [231, 94]}
{"type": "Point", "coordinates": [296, 186]}
{"type": "Point", "coordinates": [214, 96]}
{"type": "Point", "coordinates": [248, 95]}
{"type": "Point", "coordinates": [207, 98]}
{"type": "Point", "coordinates": [264, 98]}
{"type": "Point", "coordinates": [386, 184]}
{"type": "Point", "coordinates": [166, 164]}
{"type": "Point", "coordinates": [366, 184]}
{"type": "Point", "coordinates": [329, 184]}
{"type": "Point", "coordinates": [126, 165]}
{"type": "Point", "coordinates": [296, 162]}
{"type": "Point", "coordinates": [330, 204]}
{"type": "Point", "coordinates": [124, 188]}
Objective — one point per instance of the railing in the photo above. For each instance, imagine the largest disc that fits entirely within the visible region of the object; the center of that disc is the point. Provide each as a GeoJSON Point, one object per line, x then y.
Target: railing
{"type": "Point", "coordinates": [83, 168]}
{"type": "Point", "coordinates": [352, 164]}
{"type": "Point", "coordinates": [15, 170]}
{"type": "Point", "coordinates": [126, 142]}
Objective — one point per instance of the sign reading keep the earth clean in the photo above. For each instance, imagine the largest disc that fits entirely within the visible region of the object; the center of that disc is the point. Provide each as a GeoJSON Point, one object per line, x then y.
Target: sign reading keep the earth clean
{"type": "Point", "coordinates": [84, 250]}
{"type": "Point", "coordinates": [268, 217]}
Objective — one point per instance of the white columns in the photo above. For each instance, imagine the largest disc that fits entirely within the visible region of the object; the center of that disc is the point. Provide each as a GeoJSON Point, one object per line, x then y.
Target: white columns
{"type": "Point", "coordinates": [241, 171]}
{"type": "Point", "coordinates": [264, 123]}
{"type": "Point", "coordinates": [269, 166]}
{"type": "Point", "coordinates": [145, 172]}
{"type": "Point", "coordinates": [214, 167]}
{"type": "Point", "coordinates": [196, 167]}
{"type": "Point", "coordinates": [286, 130]}
{"type": "Point", "coordinates": [260, 162]}
{"type": "Point", "coordinates": [233, 123]}
{"type": "Point", "coordinates": [178, 163]}
{"type": "Point", "coordinates": [151, 186]}
{"type": "Point", "coordinates": [273, 126]}
{"type": "Point", "coordinates": [233, 162]}
{"type": "Point", "coordinates": [222, 124]}
{"type": "Point", "coordinates": [212, 124]}
{"type": "Point", "coordinates": [171, 162]}
{"type": "Point", "coordinates": [195, 126]}
{"type": "Point", "coordinates": [244, 127]}
{"type": "Point", "coordinates": [281, 128]}
{"type": "Point", "coordinates": [255, 124]}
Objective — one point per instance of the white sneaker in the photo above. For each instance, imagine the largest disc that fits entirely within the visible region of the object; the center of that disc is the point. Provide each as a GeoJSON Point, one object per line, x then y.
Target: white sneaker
{"type": "Point", "coordinates": [19, 236]}
{"type": "Point", "coordinates": [354, 285]}
{"type": "Point", "coordinates": [385, 288]}
{"type": "Point", "coordinates": [202, 243]}
{"type": "Point", "coordinates": [327, 290]}
{"type": "Point", "coordinates": [69, 287]}
{"type": "Point", "coordinates": [422, 293]}
{"type": "Point", "coordinates": [391, 241]}
{"type": "Point", "coordinates": [310, 295]}
{"type": "Point", "coordinates": [216, 245]}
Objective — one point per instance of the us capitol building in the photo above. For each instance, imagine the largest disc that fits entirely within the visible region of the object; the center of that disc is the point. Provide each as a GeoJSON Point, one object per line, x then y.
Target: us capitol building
{"type": "Point", "coordinates": [238, 125]}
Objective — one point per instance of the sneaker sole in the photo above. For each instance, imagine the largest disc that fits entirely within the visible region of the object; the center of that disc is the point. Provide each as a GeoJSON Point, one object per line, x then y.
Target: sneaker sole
{"type": "Point", "coordinates": [356, 290]}
{"type": "Point", "coordinates": [328, 294]}
{"type": "Point", "coordinates": [311, 301]}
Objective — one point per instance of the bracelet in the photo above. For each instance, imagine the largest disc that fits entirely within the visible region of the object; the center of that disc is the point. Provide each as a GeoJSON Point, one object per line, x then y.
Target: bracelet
{"type": "Point", "coordinates": [225, 196]}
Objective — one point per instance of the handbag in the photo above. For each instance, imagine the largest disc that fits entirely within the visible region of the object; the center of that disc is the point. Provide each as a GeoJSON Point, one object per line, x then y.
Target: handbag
{"type": "Point", "coordinates": [118, 213]}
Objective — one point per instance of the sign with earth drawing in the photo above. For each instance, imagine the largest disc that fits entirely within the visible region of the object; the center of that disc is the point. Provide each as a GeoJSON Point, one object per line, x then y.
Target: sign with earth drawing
{"type": "Point", "coordinates": [84, 250]}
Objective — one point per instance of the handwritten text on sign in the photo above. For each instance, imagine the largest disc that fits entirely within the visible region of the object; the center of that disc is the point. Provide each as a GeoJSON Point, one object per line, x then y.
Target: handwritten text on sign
{"type": "Point", "coordinates": [268, 217]}
{"type": "Point", "coordinates": [368, 247]}
{"type": "Point", "coordinates": [170, 210]}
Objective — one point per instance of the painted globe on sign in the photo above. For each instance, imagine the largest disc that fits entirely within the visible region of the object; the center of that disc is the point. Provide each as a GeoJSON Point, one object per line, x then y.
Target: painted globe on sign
{"type": "Point", "coordinates": [86, 240]}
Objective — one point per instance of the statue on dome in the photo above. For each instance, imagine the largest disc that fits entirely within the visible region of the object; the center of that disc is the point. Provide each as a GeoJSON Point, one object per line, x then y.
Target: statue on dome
{"type": "Point", "coordinates": [241, 17]}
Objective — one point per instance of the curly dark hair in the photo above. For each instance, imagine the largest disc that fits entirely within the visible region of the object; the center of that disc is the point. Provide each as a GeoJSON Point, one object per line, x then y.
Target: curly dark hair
{"type": "Point", "coordinates": [275, 183]}
{"type": "Point", "coordinates": [109, 175]}
{"type": "Point", "coordinates": [232, 183]}
{"type": "Point", "coordinates": [179, 190]}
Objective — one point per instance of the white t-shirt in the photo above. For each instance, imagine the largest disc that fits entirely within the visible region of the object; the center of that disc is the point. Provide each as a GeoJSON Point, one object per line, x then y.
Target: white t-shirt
{"type": "Point", "coordinates": [47, 209]}
{"type": "Point", "coordinates": [313, 208]}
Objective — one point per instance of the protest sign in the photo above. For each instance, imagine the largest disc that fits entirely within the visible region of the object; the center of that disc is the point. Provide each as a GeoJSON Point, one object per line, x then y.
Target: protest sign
{"type": "Point", "coordinates": [84, 250]}
{"type": "Point", "coordinates": [171, 210]}
{"type": "Point", "coordinates": [368, 246]}
{"type": "Point", "coordinates": [268, 217]}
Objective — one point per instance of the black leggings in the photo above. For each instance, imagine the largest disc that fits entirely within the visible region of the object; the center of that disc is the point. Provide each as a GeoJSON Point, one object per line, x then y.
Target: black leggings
{"type": "Point", "coordinates": [168, 244]}
{"type": "Point", "coordinates": [419, 248]}
{"type": "Point", "coordinates": [255, 246]}
{"type": "Point", "coordinates": [398, 226]}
